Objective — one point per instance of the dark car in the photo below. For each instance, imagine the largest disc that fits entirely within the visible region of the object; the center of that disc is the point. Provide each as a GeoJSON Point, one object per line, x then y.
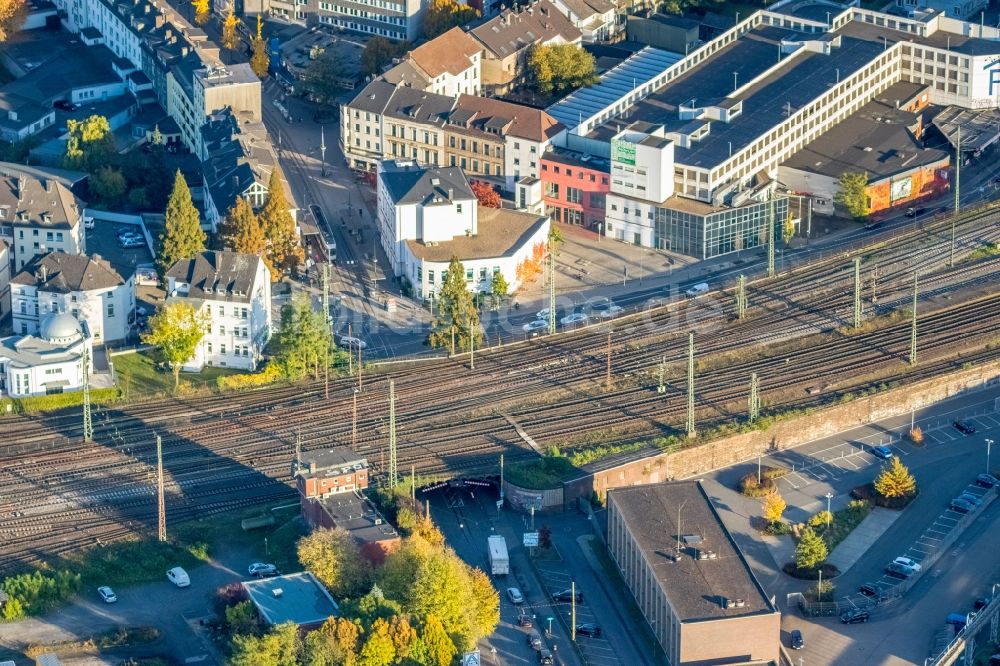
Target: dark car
{"type": "Point", "coordinates": [591, 630]}
{"type": "Point", "coordinates": [898, 571]}
{"type": "Point", "coordinates": [869, 590]}
{"type": "Point", "coordinates": [913, 212]}
{"type": "Point", "coordinates": [535, 640]}
{"type": "Point", "coordinates": [66, 105]}
{"type": "Point", "coordinates": [874, 226]}
{"type": "Point", "coordinates": [964, 427]}
{"type": "Point", "coordinates": [855, 616]}
{"type": "Point", "coordinates": [981, 603]}
{"type": "Point", "coordinates": [961, 506]}
{"type": "Point", "coordinates": [987, 481]}
{"type": "Point", "coordinates": [567, 595]}
{"type": "Point", "coordinates": [524, 621]}
{"type": "Point", "coordinates": [796, 640]}
{"type": "Point", "coordinates": [545, 658]}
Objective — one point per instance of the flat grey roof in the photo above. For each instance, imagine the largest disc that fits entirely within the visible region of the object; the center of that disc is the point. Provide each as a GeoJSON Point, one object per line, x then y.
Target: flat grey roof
{"type": "Point", "coordinates": [693, 587]}
{"type": "Point", "coordinates": [980, 127]}
{"type": "Point", "coordinates": [358, 516]}
{"type": "Point", "coordinates": [302, 599]}
{"type": "Point", "coordinates": [340, 458]}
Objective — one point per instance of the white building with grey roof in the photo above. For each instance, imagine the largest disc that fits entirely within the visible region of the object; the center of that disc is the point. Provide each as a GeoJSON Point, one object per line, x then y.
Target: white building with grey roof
{"type": "Point", "coordinates": [87, 287]}
{"type": "Point", "coordinates": [427, 216]}
{"type": "Point", "coordinates": [233, 291]}
{"type": "Point", "coordinates": [52, 362]}
{"type": "Point", "coordinates": [42, 211]}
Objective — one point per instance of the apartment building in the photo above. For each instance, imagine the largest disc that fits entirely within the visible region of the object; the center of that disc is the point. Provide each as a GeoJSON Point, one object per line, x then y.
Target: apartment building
{"type": "Point", "coordinates": [87, 287]}
{"type": "Point", "coordinates": [597, 20]}
{"type": "Point", "coordinates": [575, 188]}
{"type": "Point", "coordinates": [689, 579]}
{"type": "Point", "coordinates": [397, 20]}
{"type": "Point", "coordinates": [40, 212]}
{"type": "Point", "coordinates": [427, 216]}
{"type": "Point", "coordinates": [449, 64]}
{"type": "Point", "coordinates": [233, 291]}
{"type": "Point", "coordinates": [319, 474]}
{"type": "Point", "coordinates": [500, 141]}
{"type": "Point", "coordinates": [733, 110]}
{"type": "Point", "coordinates": [237, 161]}
{"type": "Point", "coordinates": [508, 38]}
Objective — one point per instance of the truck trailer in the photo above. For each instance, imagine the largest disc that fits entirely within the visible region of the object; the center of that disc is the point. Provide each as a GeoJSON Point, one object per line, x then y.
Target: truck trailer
{"type": "Point", "coordinates": [499, 561]}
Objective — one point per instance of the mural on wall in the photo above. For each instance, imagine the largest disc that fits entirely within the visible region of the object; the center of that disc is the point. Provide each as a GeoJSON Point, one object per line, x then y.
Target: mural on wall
{"type": "Point", "coordinates": [901, 189]}
{"type": "Point", "coordinates": [918, 184]}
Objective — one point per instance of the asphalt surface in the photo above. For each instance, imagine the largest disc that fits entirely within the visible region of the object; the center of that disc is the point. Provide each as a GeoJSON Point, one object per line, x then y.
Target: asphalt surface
{"type": "Point", "coordinates": [902, 633]}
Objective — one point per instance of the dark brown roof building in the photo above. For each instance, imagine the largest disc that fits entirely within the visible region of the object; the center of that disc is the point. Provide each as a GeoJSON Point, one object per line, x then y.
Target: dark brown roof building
{"type": "Point", "coordinates": [504, 118]}
{"type": "Point", "coordinates": [65, 273]}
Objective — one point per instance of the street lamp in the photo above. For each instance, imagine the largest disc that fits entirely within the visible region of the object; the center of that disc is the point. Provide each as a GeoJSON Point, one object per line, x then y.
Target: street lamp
{"type": "Point", "coordinates": [322, 150]}
{"type": "Point", "coordinates": [829, 516]}
{"type": "Point", "coordinates": [989, 443]}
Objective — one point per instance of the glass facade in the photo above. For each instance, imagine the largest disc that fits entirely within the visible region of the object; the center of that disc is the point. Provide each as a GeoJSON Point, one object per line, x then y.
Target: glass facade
{"type": "Point", "coordinates": [707, 236]}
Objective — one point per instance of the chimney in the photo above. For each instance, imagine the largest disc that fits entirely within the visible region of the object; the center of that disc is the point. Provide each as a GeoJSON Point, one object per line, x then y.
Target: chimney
{"type": "Point", "coordinates": [44, 272]}
{"type": "Point", "coordinates": [20, 188]}
{"type": "Point", "coordinates": [312, 466]}
{"type": "Point", "coordinates": [451, 194]}
{"type": "Point", "coordinates": [48, 184]}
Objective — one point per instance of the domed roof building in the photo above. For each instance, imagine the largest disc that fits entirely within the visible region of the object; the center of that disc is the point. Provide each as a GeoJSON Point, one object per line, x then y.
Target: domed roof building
{"type": "Point", "coordinates": [52, 362]}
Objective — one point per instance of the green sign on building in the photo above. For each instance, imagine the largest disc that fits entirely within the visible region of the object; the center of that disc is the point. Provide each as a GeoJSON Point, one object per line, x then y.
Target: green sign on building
{"type": "Point", "coordinates": [623, 151]}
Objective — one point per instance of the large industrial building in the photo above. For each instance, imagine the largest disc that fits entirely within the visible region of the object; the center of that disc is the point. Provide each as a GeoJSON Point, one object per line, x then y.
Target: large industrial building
{"type": "Point", "coordinates": [689, 578]}
{"type": "Point", "coordinates": [695, 142]}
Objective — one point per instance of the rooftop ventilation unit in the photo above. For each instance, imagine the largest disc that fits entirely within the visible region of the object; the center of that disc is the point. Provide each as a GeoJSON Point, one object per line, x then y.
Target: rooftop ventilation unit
{"type": "Point", "coordinates": [277, 592]}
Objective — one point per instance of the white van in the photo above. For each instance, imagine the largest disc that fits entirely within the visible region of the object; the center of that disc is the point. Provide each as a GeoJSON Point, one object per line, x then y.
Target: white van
{"type": "Point", "coordinates": [697, 290]}
{"type": "Point", "coordinates": [179, 577]}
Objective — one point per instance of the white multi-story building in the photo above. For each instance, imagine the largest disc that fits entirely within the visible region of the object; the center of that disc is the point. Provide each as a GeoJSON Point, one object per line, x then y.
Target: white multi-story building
{"type": "Point", "coordinates": [427, 216]}
{"type": "Point", "coordinates": [88, 288]}
{"type": "Point", "coordinates": [387, 18]}
{"type": "Point", "coordinates": [233, 291]}
{"type": "Point", "coordinates": [597, 20]}
{"type": "Point", "coordinates": [450, 64]}
{"type": "Point", "coordinates": [43, 213]}
{"type": "Point", "coordinates": [52, 362]}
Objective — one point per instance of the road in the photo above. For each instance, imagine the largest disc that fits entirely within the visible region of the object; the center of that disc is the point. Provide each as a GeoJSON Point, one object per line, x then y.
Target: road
{"type": "Point", "coordinates": [943, 467]}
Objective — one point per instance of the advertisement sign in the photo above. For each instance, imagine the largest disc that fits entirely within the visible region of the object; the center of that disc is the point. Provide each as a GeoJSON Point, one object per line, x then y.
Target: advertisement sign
{"type": "Point", "coordinates": [623, 152]}
{"type": "Point", "coordinates": [901, 189]}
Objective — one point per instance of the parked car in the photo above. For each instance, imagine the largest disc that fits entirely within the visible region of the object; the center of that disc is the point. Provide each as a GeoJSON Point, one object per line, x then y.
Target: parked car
{"type": "Point", "coordinates": [796, 641]}
{"type": "Point", "coordinates": [107, 594]}
{"type": "Point", "coordinates": [535, 326]}
{"type": "Point", "coordinates": [603, 308]}
{"type": "Point", "coordinates": [961, 506]}
{"type": "Point", "coordinates": [515, 595]}
{"type": "Point", "coordinates": [696, 290]}
{"type": "Point", "coordinates": [351, 342]}
{"type": "Point", "coordinates": [913, 212]}
{"type": "Point", "coordinates": [898, 571]}
{"type": "Point", "coordinates": [126, 231]}
{"type": "Point", "coordinates": [567, 595]}
{"type": "Point", "coordinates": [543, 314]}
{"type": "Point", "coordinates": [88, 223]}
{"type": "Point", "coordinates": [874, 226]}
{"type": "Point", "coordinates": [970, 498]}
{"type": "Point", "coordinates": [535, 640]}
{"type": "Point", "coordinates": [65, 105]}
{"type": "Point", "coordinates": [883, 452]}
{"type": "Point", "coordinates": [178, 577]}
{"type": "Point", "coordinates": [964, 427]}
{"type": "Point", "coordinates": [981, 603]}
{"type": "Point", "coordinates": [261, 570]}
{"type": "Point", "coordinates": [869, 590]}
{"type": "Point", "coordinates": [855, 616]}
{"type": "Point", "coordinates": [590, 629]}
{"type": "Point", "coordinates": [913, 565]}
{"type": "Point", "coordinates": [987, 481]}
{"type": "Point", "coordinates": [545, 657]}
{"type": "Point", "coordinates": [524, 620]}
{"type": "Point", "coordinates": [577, 318]}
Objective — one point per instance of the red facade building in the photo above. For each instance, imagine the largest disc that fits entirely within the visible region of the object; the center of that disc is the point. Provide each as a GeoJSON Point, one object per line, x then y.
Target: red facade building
{"type": "Point", "coordinates": [574, 187]}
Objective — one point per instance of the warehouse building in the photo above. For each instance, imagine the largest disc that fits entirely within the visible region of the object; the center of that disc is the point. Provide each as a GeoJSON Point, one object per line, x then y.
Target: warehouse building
{"type": "Point", "coordinates": [689, 578]}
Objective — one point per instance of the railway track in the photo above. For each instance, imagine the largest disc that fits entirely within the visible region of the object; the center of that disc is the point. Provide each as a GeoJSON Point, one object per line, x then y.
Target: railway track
{"type": "Point", "coordinates": [234, 450]}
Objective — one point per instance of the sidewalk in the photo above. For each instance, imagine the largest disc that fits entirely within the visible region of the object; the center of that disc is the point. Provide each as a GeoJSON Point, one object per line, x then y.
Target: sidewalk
{"type": "Point", "coordinates": [857, 543]}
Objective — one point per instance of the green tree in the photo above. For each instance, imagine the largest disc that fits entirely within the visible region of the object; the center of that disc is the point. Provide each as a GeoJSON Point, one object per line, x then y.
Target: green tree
{"type": "Point", "coordinates": [12, 14]}
{"type": "Point", "coordinates": [201, 11]}
{"type": "Point", "coordinates": [90, 143]}
{"type": "Point", "coordinates": [788, 229]}
{"type": "Point", "coordinates": [108, 185]}
{"type": "Point", "coordinates": [853, 194]}
{"type": "Point", "coordinates": [498, 289]}
{"type": "Point", "coordinates": [437, 645]}
{"type": "Point", "coordinates": [138, 197]}
{"type": "Point", "coordinates": [485, 194]}
{"type": "Point", "coordinates": [443, 15]}
{"type": "Point", "coordinates": [303, 338]}
{"type": "Point", "coordinates": [182, 236]}
{"type": "Point", "coordinates": [442, 589]}
{"type": "Point", "coordinates": [260, 60]}
{"type": "Point", "coordinates": [230, 38]}
{"type": "Point", "coordinates": [774, 507]}
{"type": "Point", "coordinates": [561, 68]}
{"type": "Point", "coordinates": [175, 330]}
{"type": "Point", "coordinates": [241, 618]}
{"type": "Point", "coordinates": [335, 559]}
{"type": "Point", "coordinates": [811, 550]}
{"type": "Point", "coordinates": [283, 249]}
{"type": "Point", "coordinates": [324, 78]}
{"type": "Point", "coordinates": [895, 481]}
{"type": "Point", "coordinates": [278, 647]}
{"type": "Point", "coordinates": [373, 606]}
{"type": "Point", "coordinates": [378, 649]}
{"type": "Point", "coordinates": [379, 52]}
{"type": "Point", "coordinates": [457, 318]}
{"type": "Point", "coordinates": [242, 231]}
{"type": "Point", "coordinates": [398, 573]}
{"type": "Point", "coordinates": [484, 604]}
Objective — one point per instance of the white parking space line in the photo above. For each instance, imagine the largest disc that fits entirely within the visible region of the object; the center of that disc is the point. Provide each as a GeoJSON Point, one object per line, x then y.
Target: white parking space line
{"type": "Point", "coordinates": [788, 479]}
{"type": "Point", "coordinates": [928, 536]}
{"type": "Point", "coordinates": [992, 420]}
